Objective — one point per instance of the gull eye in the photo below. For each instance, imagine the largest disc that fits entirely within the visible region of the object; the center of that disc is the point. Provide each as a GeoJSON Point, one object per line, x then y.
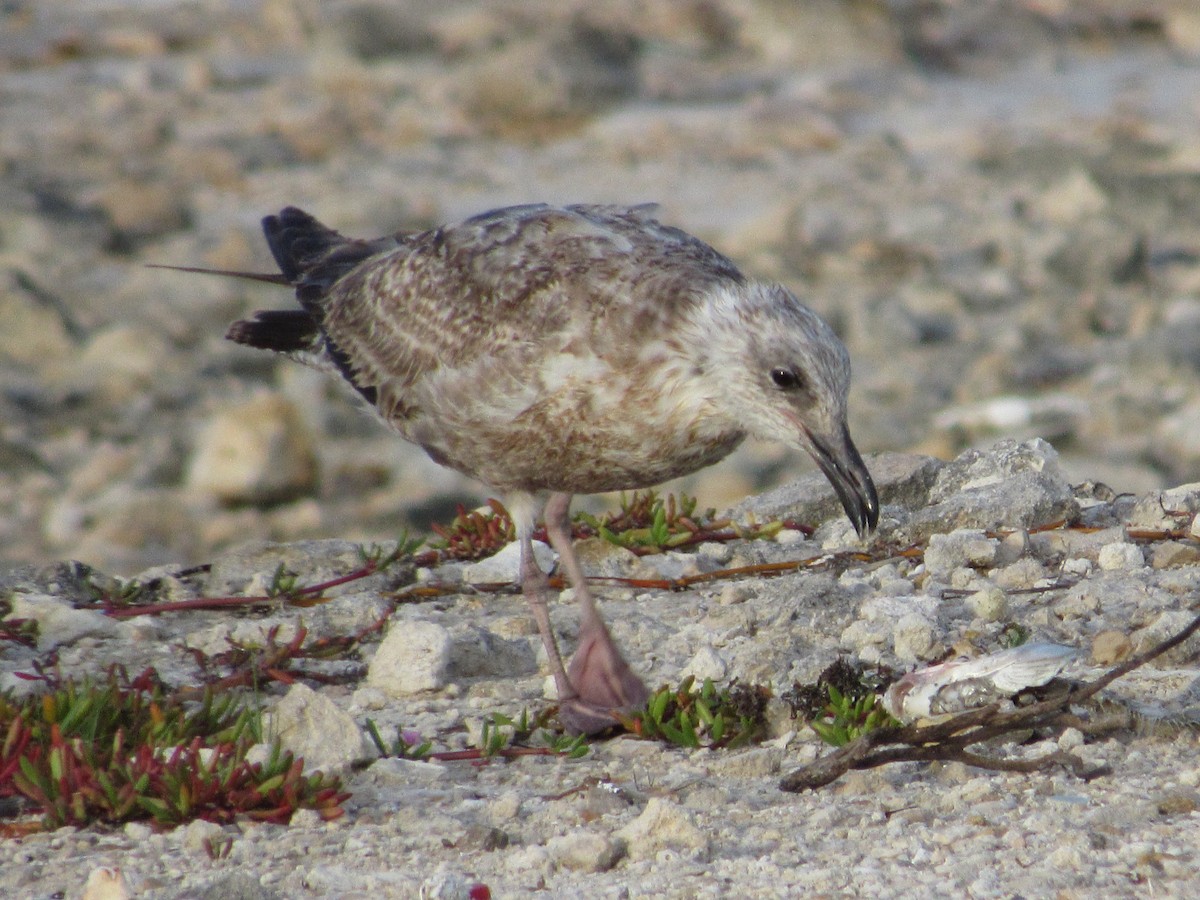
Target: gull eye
{"type": "Point", "coordinates": [785, 379]}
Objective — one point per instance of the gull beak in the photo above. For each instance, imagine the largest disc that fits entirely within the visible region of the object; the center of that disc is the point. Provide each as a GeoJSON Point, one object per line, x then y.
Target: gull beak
{"type": "Point", "coordinates": [839, 459]}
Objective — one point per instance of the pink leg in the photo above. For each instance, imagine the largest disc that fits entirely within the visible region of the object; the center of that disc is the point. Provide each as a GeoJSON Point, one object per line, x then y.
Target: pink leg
{"type": "Point", "coordinates": [536, 586]}
{"type": "Point", "coordinates": [600, 681]}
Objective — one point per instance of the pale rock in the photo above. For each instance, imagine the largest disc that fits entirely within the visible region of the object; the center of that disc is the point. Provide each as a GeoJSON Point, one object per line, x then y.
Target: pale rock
{"type": "Point", "coordinates": [119, 362]}
{"type": "Point", "coordinates": [106, 883]}
{"type": "Point", "coordinates": [914, 638]}
{"type": "Point", "coordinates": [1074, 197]}
{"type": "Point", "coordinates": [140, 208]}
{"type": "Point", "coordinates": [256, 451]}
{"type": "Point", "coordinates": [1177, 436]}
{"type": "Point", "coordinates": [673, 565]}
{"type": "Point", "coordinates": [1164, 510]}
{"type": "Point", "coordinates": [1021, 575]}
{"type": "Point", "coordinates": [585, 851]}
{"type": "Point", "coordinates": [706, 663]}
{"type": "Point", "coordinates": [527, 859]}
{"type": "Point", "coordinates": [504, 567]}
{"type": "Point", "coordinates": [33, 334]}
{"type": "Point", "coordinates": [720, 552]}
{"type": "Point", "coordinates": [603, 559]}
{"type": "Point", "coordinates": [962, 548]}
{"type": "Point", "coordinates": [1080, 567]}
{"type": "Point", "coordinates": [789, 537]}
{"type": "Point", "coordinates": [1171, 554]}
{"type": "Point", "coordinates": [1168, 624]}
{"type": "Point", "coordinates": [663, 825]}
{"type": "Point", "coordinates": [989, 604]}
{"type": "Point", "coordinates": [58, 621]}
{"type": "Point", "coordinates": [1121, 556]}
{"type": "Point", "coordinates": [1182, 28]}
{"type": "Point", "coordinates": [1110, 647]}
{"type": "Point", "coordinates": [369, 699]}
{"type": "Point", "coordinates": [479, 652]}
{"type": "Point", "coordinates": [306, 818]}
{"type": "Point", "coordinates": [413, 657]}
{"type": "Point", "coordinates": [391, 771]}
{"type": "Point", "coordinates": [446, 884]}
{"type": "Point", "coordinates": [199, 835]}
{"type": "Point", "coordinates": [865, 640]}
{"type": "Point", "coordinates": [756, 762]}
{"type": "Point", "coordinates": [316, 729]}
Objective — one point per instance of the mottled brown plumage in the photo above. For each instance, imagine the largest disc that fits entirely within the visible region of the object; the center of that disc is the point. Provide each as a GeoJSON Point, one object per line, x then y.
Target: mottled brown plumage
{"type": "Point", "coordinates": [549, 351]}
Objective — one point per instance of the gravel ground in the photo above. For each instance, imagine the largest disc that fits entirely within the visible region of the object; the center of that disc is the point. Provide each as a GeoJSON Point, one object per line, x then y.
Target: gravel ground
{"type": "Point", "coordinates": [642, 819]}
{"type": "Point", "coordinates": [996, 204]}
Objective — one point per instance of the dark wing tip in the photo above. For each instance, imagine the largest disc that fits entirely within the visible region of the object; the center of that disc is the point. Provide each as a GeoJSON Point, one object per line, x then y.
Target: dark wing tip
{"type": "Point", "coordinates": [281, 330]}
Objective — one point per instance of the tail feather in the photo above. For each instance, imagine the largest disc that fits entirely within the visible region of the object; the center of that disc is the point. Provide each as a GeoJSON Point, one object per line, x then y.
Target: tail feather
{"type": "Point", "coordinates": [311, 258]}
{"type": "Point", "coordinates": [312, 255]}
{"type": "Point", "coordinates": [281, 330]}
{"type": "Point", "coordinates": [297, 240]}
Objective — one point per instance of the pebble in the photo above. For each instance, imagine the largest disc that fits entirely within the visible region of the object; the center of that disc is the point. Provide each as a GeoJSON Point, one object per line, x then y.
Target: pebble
{"type": "Point", "coordinates": [585, 851]}
{"type": "Point", "coordinates": [663, 825]}
{"type": "Point", "coordinates": [317, 730]}
{"type": "Point", "coordinates": [1120, 556]}
{"type": "Point", "coordinates": [504, 567]}
{"type": "Point", "coordinates": [990, 604]}
{"type": "Point", "coordinates": [257, 451]}
{"type": "Point", "coordinates": [413, 657]}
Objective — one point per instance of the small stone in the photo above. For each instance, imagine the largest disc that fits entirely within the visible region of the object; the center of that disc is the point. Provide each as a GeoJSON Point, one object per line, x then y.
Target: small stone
{"type": "Point", "coordinates": [391, 771]}
{"type": "Point", "coordinates": [108, 883]}
{"type": "Point", "coordinates": [1178, 803]}
{"type": "Point", "coordinates": [478, 651]}
{"type": "Point", "coordinates": [720, 552]}
{"type": "Point", "coordinates": [58, 621]}
{"type": "Point", "coordinates": [1170, 554]}
{"type": "Point", "coordinates": [1109, 647]}
{"type": "Point", "coordinates": [142, 208]}
{"type": "Point", "coordinates": [306, 818]}
{"type": "Point", "coordinates": [735, 592]}
{"type": "Point", "coordinates": [1071, 199]}
{"type": "Point", "coordinates": [914, 639]}
{"type": "Point", "coordinates": [603, 559]}
{"type": "Point", "coordinates": [585, 851]}
{"type": "Point", "coordinates": [504, 567]}
{"type": "Point", "coordinates": [707, 663]}
{"type": "Point", "coordinates": [138, 832]}
{"type": "Point", "coordinates": [758, 762]}
{"type": "Point", "coordinates": [1078, 566]}
{"type": "Point", "coordinates": [989, 604]}
{"type": "Point", "coordinates": [316, 729]}
{"type": "Point", "coordinates": [483, 837]}
{"type": "Point", "coordinates": [258, 451]}
{"type": "Point", "coordinates": [414, 657]}
{"type": "Point", "coordinates": [662, 825]}
{"type": "Point", "coordinates": [963, 548]}
{"type": "Point", "coordinates": [1121, 556]}
{"type": "Point", "coordinates": [1168, 624]}
{"type": "Point", "coordinates": [1021, 575]}
{"type": "Point", "coordinates": [790, 536]}
{"type": "Point", "coordinates": [1070, 739]}
{"type": "Point", "coordinates": [199, 835]}
{"type": "Point", "coordinates": [120, 362]}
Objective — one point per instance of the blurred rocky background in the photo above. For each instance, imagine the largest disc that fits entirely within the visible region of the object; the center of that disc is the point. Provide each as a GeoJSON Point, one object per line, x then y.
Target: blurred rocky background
{"type": "Point", "coordinates": [995, 202]}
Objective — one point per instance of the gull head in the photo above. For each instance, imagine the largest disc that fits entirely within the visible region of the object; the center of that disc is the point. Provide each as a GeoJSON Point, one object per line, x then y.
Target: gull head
{"type": "Point", "coordinates": [785, 376]}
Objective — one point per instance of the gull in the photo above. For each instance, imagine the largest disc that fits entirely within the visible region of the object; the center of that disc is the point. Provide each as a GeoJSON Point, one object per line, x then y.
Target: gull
{"type": "Point", "coordinates": [549, 351]}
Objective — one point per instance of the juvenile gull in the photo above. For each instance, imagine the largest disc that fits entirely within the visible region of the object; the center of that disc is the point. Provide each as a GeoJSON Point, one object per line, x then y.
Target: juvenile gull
{"type": "Point", "coordinates": [551, 351]}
